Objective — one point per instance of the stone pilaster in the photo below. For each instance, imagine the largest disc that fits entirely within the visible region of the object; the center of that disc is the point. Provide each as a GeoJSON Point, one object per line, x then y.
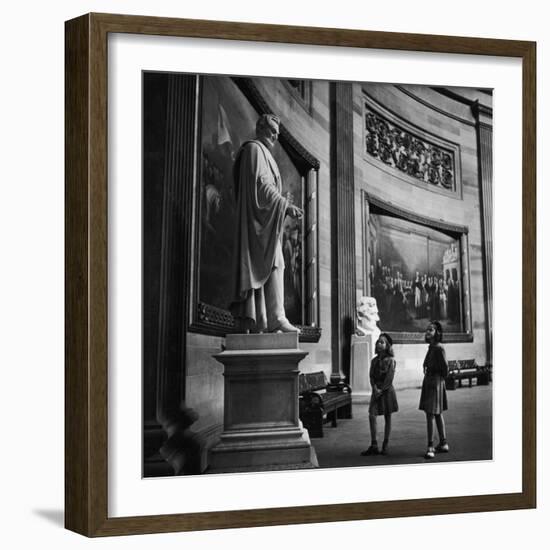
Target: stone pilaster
{"type": "Point", "coordinates": [484, 128]}
{"type": "Point", "coordinates": [342, 227]}
{"type": "Point", "coordinates": [173, 418]}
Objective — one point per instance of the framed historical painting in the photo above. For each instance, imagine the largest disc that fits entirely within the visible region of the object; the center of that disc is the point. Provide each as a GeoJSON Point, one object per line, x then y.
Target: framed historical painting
{"type": "Point", "coordinates": [282, 248]}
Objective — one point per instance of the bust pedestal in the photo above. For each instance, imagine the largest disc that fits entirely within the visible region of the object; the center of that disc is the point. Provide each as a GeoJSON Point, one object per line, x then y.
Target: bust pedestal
{"type": "Point", "coordinates": [262, 430]}
{"type": "Point", "coordinates": [362, 351]}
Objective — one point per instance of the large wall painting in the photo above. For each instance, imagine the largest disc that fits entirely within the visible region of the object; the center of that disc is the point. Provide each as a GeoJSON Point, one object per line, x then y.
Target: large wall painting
{"type": "Point", "coordinates": [417, 272]}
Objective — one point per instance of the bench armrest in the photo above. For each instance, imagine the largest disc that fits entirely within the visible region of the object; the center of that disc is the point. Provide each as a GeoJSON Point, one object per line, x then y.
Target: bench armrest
{"type": "Point", "coordinates": [312, 400]}
{"type": "Point", "coordinates": [340, 387]}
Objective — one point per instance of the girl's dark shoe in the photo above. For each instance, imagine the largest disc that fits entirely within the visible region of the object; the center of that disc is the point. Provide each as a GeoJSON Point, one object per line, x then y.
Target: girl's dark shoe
{"type": "Point", "coordinates": [372, 450]}
{"type": "Point", "coordinates": [442, 448]}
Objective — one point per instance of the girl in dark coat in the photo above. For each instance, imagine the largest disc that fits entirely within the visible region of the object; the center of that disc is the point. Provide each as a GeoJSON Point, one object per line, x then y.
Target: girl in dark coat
{"type": "Point", "coordinates": [433, 398]}
{"type": "Point", "coordinates": [383, 400]}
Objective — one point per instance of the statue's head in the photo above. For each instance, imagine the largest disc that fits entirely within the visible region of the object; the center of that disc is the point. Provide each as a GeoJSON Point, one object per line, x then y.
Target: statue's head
{"type": "Point", "coordinates": [367, 310]}
{"type": "Point", "coordinates": [267, 130]}
{"type": "Point", "coordinates": [367, 315]}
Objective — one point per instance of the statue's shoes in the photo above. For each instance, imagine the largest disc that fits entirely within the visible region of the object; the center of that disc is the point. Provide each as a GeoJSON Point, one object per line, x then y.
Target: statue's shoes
{"type": "Point", "coordinates": [285, 326]}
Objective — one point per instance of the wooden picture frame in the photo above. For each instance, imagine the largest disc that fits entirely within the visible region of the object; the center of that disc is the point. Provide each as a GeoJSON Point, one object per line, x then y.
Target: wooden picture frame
{"type": "Point", "coordinates": [86, 298]}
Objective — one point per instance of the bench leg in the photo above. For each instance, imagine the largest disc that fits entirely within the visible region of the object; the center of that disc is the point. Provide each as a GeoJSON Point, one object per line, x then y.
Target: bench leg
{"type": "Point", "coordinates": [334, 422]}
{"type": "Point", "coordinates": [482, 380]}
{"type": "Point", "coordinates": [345, 411]}
{"type": "Point", "coordinates": [313, 423]}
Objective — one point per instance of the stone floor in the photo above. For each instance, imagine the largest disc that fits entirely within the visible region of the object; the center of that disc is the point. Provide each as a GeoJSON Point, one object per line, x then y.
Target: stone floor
{"type": "Point", "coordinates": [469, 431]}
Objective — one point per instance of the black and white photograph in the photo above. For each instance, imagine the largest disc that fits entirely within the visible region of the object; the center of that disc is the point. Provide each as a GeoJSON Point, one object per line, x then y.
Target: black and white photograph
{"type": "Point", "coordinates": [317, 274]}
{"type": "Point", "coordinates": [274, 275]}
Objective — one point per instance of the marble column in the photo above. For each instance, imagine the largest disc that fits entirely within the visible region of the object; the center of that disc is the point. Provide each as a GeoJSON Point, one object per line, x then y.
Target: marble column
{"type": "Point", "coordinates": [484, 128]}
{"type": "Point", "coordinates": [170, 425]}
{"type": "Point", "coordinates": [342, 214]}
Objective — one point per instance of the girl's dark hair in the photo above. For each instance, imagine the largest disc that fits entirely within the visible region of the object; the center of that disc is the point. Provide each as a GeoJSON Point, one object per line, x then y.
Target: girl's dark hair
{"type": "Point", "coordinates": [389, 349]}
{"type": "Point", "coordinates": [438, 337]}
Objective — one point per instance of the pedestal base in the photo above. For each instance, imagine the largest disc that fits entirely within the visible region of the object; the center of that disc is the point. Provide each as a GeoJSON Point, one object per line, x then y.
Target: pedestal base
{"type": "Point", "coordinates": [262, 430]}
{"type": "Point", "coordinates": [362, 351]}
{"type": "Point", "coordinates": [260, 450]}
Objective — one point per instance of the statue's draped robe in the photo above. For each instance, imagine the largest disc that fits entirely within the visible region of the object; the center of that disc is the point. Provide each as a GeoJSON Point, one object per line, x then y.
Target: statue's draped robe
{"type": "Point", "coordinates": [261, 210]}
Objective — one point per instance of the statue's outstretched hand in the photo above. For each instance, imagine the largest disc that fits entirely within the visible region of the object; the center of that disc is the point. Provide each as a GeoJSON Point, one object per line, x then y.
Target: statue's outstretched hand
{"type": "Point", "coordinates": [294, 211]}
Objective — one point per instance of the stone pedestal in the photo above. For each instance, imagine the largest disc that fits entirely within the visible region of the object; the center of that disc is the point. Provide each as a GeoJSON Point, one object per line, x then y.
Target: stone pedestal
{"type": "Point", "coordinates": [262, 430]}
{"type": "Point", "coordinates": [362, 352]}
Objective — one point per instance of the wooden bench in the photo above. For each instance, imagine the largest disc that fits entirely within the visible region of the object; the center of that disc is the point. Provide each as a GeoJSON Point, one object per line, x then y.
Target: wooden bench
{"type": "Point", "coordinates": [321, 402]}
{"type": "Point", "coordinates": [466, 369]}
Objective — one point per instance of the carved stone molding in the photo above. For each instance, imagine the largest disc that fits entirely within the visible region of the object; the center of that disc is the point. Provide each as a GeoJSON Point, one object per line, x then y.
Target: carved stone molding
{"type": "Point", "coordinates": [309, 334]}
{"type": "Point", "coordinates": [409, 152]}
{"type": "Point", "coordinates": [216, 321]}
{"type": "Point", "coordinates": [214, 316]}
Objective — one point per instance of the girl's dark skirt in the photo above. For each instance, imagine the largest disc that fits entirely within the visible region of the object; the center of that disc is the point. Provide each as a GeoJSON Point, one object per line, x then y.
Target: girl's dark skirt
{"type": "Point", "coordinates": [385, 404]}
{"type": "Point", "coordinates": [433, 398]}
